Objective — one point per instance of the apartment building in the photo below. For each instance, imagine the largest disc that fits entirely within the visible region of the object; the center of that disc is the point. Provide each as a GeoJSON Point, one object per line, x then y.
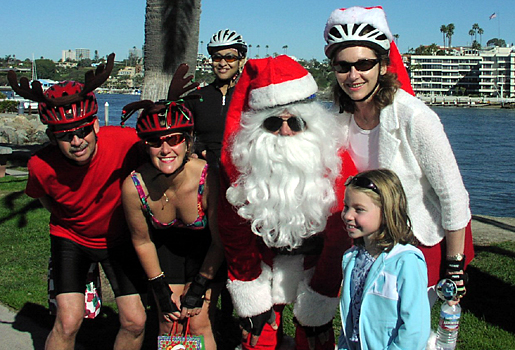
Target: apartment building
{"type": "Point", "coordinates": [488, 73]}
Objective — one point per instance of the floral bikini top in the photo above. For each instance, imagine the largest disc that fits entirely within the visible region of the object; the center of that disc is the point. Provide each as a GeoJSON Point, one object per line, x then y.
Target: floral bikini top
{"type": "Point", "coordinates": [199, 224]}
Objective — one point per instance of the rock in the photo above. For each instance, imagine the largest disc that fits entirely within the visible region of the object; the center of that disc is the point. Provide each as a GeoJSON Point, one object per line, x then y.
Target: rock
{"type": "Point", "coordinates": [20, 129]}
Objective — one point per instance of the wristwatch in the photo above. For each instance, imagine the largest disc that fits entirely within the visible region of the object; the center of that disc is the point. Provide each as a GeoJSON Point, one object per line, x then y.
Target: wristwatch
{"type": "Point", "coordinates": [457, 257]}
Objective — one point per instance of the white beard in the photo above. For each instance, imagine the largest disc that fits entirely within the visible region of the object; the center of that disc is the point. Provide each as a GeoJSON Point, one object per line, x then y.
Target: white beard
{"type": "Point", "coordinates": [286, 184]}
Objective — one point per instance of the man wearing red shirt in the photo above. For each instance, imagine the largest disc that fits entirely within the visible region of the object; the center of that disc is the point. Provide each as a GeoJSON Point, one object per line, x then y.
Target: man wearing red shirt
{"type": "Point", "coordinates": [78, 178]}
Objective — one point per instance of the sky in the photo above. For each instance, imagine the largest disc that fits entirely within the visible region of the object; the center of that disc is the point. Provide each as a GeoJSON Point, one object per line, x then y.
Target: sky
{"type": "Point", "coordinates": [35, 28]}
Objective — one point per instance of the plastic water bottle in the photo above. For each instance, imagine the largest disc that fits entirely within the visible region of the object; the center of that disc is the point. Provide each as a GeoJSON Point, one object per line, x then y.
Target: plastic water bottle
{"type": "Point", "coordinates": [447, 333]}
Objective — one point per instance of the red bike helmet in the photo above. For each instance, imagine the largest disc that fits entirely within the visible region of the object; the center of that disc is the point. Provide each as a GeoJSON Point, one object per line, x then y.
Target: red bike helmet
{"type": "Point", "coordinates": [73, 112]}
{"type": "Point", "coordinates": [160, 118]}
{"type": "Point", "coordinates": [165, 116]}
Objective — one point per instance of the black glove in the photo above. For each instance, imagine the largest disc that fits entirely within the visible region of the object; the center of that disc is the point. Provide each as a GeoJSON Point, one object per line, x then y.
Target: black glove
{"type": "Point", "coordinates": [452, 267]}
{"type": "Point", "coordinates": [254, 324]}
{"type": "Point", "coordinates": [163, 295]}
{"type": "Point", "coordinates": [312, 332]}
{"type": "Point", "coordinates": [195, 295]}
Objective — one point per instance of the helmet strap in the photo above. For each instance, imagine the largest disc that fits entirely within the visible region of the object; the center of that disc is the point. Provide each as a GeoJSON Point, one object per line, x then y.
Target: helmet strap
{"type": "Point", "coordinates": [374, 90]}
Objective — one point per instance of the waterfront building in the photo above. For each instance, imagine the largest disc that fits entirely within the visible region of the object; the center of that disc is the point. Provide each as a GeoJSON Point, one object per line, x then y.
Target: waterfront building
{"type": "Point", "coordinates": [489, 73]}
{"type": "Point", "coordinates": [497, 72]}
{"type": "Point", "coordinates": [69, 55]}
{"type": "Point", "coordinates": [203, 63]}
{"type": "Point", "coordinates": [82, 54]}
{"type": "Point", "coordinates": [75, 55]}
{"type": "Point", "coordinates": [137, 53]}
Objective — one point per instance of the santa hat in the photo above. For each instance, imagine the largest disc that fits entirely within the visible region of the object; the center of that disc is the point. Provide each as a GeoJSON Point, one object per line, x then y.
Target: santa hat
{"type": "Point", "coordinates": [266, 83]}
{"type": "Point", "coordinates": [376, 17]}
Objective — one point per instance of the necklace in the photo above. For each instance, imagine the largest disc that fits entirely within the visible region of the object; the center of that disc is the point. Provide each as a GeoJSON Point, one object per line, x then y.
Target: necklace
{"type": "Point", "coordinates": [166, 200]}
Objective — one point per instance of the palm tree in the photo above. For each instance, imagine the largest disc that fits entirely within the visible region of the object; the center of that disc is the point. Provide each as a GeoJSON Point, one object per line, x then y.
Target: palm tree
{"type": "Point", "coordinates": [471, 33]}
{"type": "Point", "coordinates": [257, 47]}
{"type": "Point", "coordinates": [285, 48]}
{"type": "Point", "coordinates": [443, 30]}
{"type": "Point", "coordinates": [396, 38]}
{"type": "Point", "coordinates": [266, 50]}
{"type": "Point", "coordinates": [480, 31]}
{"type": "Point", "coordinates": [250, 49]}
{"type": "Point", "coordinates": [171, 38]}
{"type": "Point", "coordinates": [475, 27]}
{"type": "Point", "coordinates": [450, 33]}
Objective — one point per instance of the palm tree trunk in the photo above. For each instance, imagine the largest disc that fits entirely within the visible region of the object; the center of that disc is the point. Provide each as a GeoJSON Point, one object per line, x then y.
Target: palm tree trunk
{"type": "Point", "coordinates": [171, 38]}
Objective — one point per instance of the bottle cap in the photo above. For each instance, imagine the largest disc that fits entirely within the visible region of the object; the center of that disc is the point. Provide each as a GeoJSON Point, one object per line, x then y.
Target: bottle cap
{"type": "Point", "coordinates": [446, 289]}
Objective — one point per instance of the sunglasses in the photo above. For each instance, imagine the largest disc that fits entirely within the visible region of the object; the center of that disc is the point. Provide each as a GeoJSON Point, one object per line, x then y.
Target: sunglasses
{"type": "Point", "coordinates": [81, 132]}
{"type": "Point", "coordinates": [362, 182]}
{"type": "Point", "coordinates": [273, 124]}
{"type": "Point", "coordinates": [227, 58]}
{"type": "Point", "coordinates": [171, 140]}
{"type": "Point", "coordinates": [360, 65]}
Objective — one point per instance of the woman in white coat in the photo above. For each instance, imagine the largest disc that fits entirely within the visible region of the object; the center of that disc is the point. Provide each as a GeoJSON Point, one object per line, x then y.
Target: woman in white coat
{"type": "Point", "coordinates": [386, 127]}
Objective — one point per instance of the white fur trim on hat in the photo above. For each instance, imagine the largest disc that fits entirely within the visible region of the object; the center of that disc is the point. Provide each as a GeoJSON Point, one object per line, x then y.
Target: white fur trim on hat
{"type": "Point", "coordinates": [251, 298]}
{"type": "Point", "coordinates": [283, 93]}
{"type": "Point", "coordinates": [313, 309]}
{"type": "Point", "coordinates": [375, 16]}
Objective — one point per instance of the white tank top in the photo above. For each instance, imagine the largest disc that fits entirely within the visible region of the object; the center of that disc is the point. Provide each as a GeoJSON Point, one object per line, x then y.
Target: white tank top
{"type": "Point", "coordinates": [364, 149]}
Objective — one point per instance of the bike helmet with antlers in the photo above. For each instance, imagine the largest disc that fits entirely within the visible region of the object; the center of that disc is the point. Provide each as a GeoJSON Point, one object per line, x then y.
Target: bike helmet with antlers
{"type": "Point", "coordinates": [68, 101]}
{"type": "Point", "coordinates": [165, 116]}
{"type": "Point", "coordinates": [226, 39]}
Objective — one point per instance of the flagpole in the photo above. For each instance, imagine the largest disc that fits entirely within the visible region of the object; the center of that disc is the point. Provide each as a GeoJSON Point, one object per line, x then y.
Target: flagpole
{"type": "Point", "coordinates": [498, 26]}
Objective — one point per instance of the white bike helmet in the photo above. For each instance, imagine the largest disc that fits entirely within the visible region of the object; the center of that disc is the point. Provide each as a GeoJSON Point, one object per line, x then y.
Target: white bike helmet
{"type": "Point", "coordinates": [226, 39]}
{"type": "Point", "coordinates": [354, 26]}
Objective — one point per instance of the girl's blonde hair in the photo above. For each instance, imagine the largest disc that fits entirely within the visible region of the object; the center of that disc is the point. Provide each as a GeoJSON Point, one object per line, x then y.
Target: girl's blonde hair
{"type": "Point", "coordinates": [387, 192]}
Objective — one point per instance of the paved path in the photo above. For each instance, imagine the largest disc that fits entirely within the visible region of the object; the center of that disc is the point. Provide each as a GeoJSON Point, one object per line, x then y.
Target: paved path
{"type": "Point", "coordinates": [20, 331]}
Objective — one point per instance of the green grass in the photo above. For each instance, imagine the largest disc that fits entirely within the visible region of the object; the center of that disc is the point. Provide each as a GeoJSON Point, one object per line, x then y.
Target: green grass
{"type": "Point", "coordinates": [24, 244]}
{"type": "Point", "coordinates": [487, 321]}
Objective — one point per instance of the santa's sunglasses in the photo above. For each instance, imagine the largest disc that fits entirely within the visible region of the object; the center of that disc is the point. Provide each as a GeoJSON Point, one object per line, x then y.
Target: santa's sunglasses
{"type": "Point", "coordinates": [171, 140]}
{"type": "Point", "coordinates": [81, 132]}
{"type": "Point", "coordinates": [363, 182]}
{"type": "Point", "coordinates": [274, 123]}
{"type": "Point", "coordinates": [360, 65]}
{"type": "Point", "coordinates": [227, 58]}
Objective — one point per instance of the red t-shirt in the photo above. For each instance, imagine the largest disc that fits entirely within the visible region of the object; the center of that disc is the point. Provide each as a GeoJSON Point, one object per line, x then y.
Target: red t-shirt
{"type": "Point", "coordinates": [87, 206]}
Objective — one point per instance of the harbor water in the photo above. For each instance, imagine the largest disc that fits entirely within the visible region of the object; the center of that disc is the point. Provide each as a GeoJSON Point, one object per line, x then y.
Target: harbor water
{"type": "Point", "coordinates": [483, 140]}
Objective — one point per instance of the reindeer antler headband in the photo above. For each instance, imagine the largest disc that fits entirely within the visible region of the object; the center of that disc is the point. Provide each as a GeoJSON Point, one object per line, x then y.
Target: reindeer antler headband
{"type": "Point", "coordinates": [93, 79]}
{"type": "Point", "coordinates": [178, 86]}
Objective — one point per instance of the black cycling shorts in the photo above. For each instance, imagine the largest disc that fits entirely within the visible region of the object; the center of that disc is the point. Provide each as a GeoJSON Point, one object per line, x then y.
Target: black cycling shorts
{"type": "Point", "coordinates": [71, 262]}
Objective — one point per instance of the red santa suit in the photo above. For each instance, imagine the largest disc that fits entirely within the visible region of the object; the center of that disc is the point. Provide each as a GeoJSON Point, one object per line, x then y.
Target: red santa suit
{"type": "Point", "coordinates": [261, 276]}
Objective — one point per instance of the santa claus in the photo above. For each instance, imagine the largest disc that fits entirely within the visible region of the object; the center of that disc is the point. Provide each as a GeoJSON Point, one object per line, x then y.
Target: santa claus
{"type": "Point", "coordinates": [283, 175]}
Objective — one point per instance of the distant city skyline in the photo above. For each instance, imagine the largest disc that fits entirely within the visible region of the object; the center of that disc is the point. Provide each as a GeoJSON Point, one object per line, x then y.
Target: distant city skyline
{"type": "Point", "coordinates": [112, 26]}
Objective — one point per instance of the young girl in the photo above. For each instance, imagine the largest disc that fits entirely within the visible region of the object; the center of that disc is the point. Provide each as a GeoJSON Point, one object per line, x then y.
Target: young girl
{"type": "Point", "coordinates": [384, 301]}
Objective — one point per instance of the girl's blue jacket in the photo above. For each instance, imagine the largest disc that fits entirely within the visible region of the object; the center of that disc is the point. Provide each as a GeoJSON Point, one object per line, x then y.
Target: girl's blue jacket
{"type": "Point", "coordinates": [395, 312]}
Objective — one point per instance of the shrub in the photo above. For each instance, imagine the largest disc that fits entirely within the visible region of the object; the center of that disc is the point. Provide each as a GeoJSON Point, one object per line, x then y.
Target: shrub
{"type": "Point", "coordinates": [7, 106]}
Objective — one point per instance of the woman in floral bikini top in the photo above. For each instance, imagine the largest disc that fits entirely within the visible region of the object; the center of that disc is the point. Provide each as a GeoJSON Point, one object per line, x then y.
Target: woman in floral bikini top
{"type": "Point", "coordinates": [167, 203]}
{"type": "Point", "coordinates": [199, 224]}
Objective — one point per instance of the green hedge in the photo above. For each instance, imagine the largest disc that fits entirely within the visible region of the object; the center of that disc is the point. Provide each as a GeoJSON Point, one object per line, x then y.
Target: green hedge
{"type": "Point", "coordinates": [8, 106]}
